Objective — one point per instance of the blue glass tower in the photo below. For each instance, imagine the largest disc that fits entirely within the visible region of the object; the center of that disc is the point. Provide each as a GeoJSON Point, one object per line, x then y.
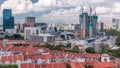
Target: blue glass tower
{"type": "Point", "coordinates": [8, 19]}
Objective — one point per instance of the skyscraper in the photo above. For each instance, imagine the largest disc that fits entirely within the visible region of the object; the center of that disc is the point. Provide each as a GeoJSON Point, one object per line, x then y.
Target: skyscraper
{"type": "Point", "coordinates": [88, 25]}
{"type": "Point", "coordinates": [101, 26]}
{"type": "Point", "coordinates": [84, 24]}
{"type": "Point", "coordinates": [95, 24]}
{"type": "Point", "coordinates": [8, 19]}
{"type": "Point", "coordinates": [29, 22]}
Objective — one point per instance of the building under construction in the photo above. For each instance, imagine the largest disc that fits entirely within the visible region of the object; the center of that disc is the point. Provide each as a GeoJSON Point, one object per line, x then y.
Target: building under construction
{"type": "Point", "coordinates": [88, 24]}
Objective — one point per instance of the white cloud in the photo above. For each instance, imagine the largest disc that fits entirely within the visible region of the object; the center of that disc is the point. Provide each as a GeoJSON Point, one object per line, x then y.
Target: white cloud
{"type": "Point", "coordinates": [97, 1]}
{"type": "Point", "coordinates": [17, 6]}
{"type": "Point", "coordinates": [23, 6]}
{"type": "Point", "coordinates": [62, 15]}
{"type": "Point", "coordinates": [103, 10]}
{"type": "Point", "coordinates": [116, 8]}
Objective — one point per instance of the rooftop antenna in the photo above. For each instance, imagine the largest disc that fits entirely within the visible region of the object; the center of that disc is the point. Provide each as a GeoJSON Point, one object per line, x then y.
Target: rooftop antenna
{"type": "Point", "coordinates": [90, 12]}
{"type": "Point", "coordinates": [82, 7]}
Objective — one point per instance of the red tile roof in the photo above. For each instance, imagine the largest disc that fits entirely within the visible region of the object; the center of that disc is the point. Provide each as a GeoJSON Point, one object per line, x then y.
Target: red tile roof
{"type": "Point", "coordinates": [14, 58]}
{"type": "Point", "coordinates": [28, 65]}
{"type": "Point", "coordinates": [94, 64]}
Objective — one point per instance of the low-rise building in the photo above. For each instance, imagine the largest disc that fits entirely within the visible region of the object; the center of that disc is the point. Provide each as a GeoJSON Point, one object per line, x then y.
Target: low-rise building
{"type": "Point", "coordinates": [11, 31]}
{"type": "Point", "coordinates": [45, 38]}
{"type": "Point", "coordinates": [67, 35]}
{"type": "Point", "coordinates": [37, 35]}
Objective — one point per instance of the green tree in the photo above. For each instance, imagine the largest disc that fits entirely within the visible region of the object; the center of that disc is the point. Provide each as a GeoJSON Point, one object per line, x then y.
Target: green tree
{"type": "Point", "coordinates": [112, 32]}
{"type": "Point", "coordinates": [90, 50]}
{"type": "Point", "coordinates": [118, 41]}
{"type": "Point", "coordinates": [68, 45]}
{"type": "Point", "coordinates": [57, 47]}
{"type": "Point", "coordinates": [106, 49]}
{"type": "Point", "coordinates": [52, 47]}
{"type": "Point", "coordinates": [8, 66]}
{"type": "Point", "coordinates": [76, 48]}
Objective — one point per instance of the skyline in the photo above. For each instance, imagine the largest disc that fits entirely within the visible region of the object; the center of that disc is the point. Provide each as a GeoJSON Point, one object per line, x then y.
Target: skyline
{"type": "Point", "coordinates": [59, 10]}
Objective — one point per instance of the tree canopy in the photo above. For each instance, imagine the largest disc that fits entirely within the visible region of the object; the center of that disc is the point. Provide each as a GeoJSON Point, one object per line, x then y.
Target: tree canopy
{"type": "Point", "coordinates": [112, 32]}
{"type": "Point", "coordinates": [118, 41]}
{"type": "Point", "coordinates": [90, 50]}
{"type": "Point", "coordinates": [8, 66]}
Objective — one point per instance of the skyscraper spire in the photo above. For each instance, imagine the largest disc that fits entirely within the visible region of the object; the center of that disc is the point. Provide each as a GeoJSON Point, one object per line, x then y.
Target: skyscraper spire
{"type": "Point", "coordinates": [82, 7]}
{"type": "Point", "coordinates": [90, 12]}
{"type": "Point", "coordinates": [95, 10]}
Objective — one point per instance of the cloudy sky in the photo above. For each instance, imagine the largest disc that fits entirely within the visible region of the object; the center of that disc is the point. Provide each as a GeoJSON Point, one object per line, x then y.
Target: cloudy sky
{"type": "Point", "coordinates": [56, 11]}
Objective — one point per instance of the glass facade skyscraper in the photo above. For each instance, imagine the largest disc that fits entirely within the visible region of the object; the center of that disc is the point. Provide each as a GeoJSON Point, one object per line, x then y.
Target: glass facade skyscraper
{"type": "Point", "coordinates": [8, 19]}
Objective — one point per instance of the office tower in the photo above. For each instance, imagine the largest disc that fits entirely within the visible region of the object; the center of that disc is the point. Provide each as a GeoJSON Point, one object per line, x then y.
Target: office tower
{"type": "Point", "coordinates": [95, 24]}
{"type": "Point", "coordinates": [8, 19]}
{"type": "Point", "coordinates": [101, 26]}
{"type": "Point", "coordinates": [84, 24]}
{"type": "Point", "coordinates": [30, 21]}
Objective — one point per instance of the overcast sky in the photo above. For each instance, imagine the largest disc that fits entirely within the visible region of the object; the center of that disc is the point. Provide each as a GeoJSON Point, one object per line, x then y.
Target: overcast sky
{"type": "Point", "coordinates": [66, 11]}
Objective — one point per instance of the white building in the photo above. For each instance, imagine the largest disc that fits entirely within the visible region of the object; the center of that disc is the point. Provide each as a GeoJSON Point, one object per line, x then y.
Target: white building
{"type": "Point", "coordinates": [45, 38]}
{"type": "Point", "coordinates": [5, 41]}
{"type": "Point", "coordinates": [67, 35]}
{"type": "Point", "coordinates": [116, 24]}
{"type": "Point", "coordinates": [11, 31]}
{"type": "Point", "coordinates": [105, 58]}
{"type": "Point", "coordinates": [5, 53]}
{"type": "Point", "coordinates": [30, 31]}
{"type": "Point", "coordinates": [37, 35]}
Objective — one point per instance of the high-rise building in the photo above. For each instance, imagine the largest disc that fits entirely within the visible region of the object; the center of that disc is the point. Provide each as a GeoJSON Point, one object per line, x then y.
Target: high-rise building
{"type": "Point", "coordinates": [84, 24]}
{"type": "Point", "coordinates": [29, 22]}
{"type": "Point", "coordinates": [95, 24]}
{"type": "Point", "coordinates": [88, 25]}
{"type": "Point", "coordinates": [8, 19]}
{"type": "Point", "coordinates": [101, 26]}
{"type": "Point", "coordinates": [116, 24]}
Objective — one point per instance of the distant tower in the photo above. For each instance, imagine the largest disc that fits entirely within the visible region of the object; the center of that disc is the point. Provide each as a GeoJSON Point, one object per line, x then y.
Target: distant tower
{"type": "Point", "coordinates": [29, 22]}
{"type": "Point", "coordinates": [8, 19]}
{"type": "Point", "coordinates": [95, 21]}
{"type": "Point", "coordinates": [101, 26]}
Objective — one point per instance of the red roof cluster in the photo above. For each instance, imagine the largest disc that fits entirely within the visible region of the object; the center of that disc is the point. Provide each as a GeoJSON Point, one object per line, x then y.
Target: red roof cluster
{"type": "Point", "coordinates": [94, 64]}
{"type": "Point", "coordinates": [52, 65]}
{"type": "Point", "coordinates": [14, 58]}
{"type": "Point", "coordinates": [22, 53]}
{"type": "Point", "coordinates": [72, 64]}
